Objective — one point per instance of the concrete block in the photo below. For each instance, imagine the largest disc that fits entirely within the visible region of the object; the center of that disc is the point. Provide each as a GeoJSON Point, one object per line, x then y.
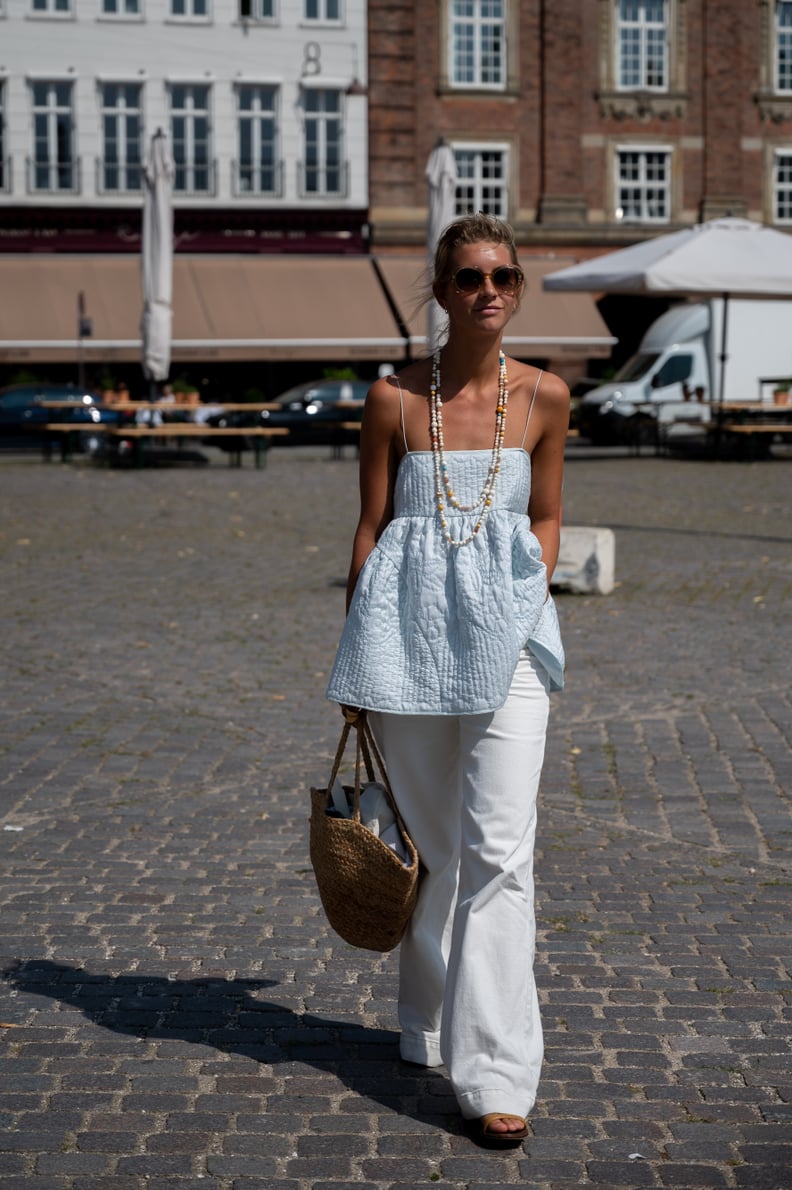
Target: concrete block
{"type": "Point", "coordinates": [586, 561]}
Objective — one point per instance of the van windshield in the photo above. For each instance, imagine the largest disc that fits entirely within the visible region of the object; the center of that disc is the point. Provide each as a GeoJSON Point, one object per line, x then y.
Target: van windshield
{"type": "Point", "coordinates": [636, 367]}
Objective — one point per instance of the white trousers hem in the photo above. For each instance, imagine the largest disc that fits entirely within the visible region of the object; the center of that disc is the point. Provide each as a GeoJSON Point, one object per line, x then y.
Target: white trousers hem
{"type": "Point", "coordinates": [424, 1051]}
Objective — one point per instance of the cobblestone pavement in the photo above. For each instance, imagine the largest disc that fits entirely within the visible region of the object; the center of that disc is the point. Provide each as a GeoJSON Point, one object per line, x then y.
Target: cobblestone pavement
{"type": "Point", "coordinates": [176, 1012]}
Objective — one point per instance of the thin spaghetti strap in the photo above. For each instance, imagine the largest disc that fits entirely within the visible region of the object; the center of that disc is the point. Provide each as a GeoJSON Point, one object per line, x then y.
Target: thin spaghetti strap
{"type": "Point", "coordinates": [401, 413]}
{"type": "Point", "coordinates": [530, 407]}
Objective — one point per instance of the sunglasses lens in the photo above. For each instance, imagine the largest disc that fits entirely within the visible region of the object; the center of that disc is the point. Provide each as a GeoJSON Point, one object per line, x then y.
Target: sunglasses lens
{"type": "Point", "coordinates": [506, 279]}
{"type": "Point", "coordinates": [468, 280]}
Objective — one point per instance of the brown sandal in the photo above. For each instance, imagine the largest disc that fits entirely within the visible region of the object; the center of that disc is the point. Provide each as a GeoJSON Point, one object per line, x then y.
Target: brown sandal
{"type": "Point", "coordinates": [485, 1136]}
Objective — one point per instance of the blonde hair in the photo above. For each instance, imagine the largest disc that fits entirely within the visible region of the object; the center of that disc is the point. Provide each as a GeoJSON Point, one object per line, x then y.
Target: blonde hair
{"type": "Point", "coordinates": [470, 229]}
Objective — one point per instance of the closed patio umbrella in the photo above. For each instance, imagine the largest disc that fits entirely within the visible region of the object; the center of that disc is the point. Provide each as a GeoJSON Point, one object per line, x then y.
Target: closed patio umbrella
{"type": "Point", "coordinates": [157, 260]}
{"type": "Point", "coordinates": [441, 177]}
{"type": "Point", "coordinates": [724, 257]}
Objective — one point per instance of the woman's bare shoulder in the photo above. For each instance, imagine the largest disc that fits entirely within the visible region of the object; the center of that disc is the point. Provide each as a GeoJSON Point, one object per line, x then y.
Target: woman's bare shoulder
{"type": "Point", "coordinates": [384, 393]}
{"type": "Point", "coordinates": [553, 389]}
{"type": "Point", "coordinates": [548, 387]}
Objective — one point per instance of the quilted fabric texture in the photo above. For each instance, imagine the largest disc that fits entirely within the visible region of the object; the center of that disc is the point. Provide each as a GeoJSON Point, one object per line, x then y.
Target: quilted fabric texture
{"type": "Point", "coordinates": [438, 631]}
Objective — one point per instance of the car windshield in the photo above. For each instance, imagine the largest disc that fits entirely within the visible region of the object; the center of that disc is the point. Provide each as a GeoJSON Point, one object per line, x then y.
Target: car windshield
{"type": "Point", "coordinates": [636, 367]}
{"type": "Point", "coordinates": [324, 392]}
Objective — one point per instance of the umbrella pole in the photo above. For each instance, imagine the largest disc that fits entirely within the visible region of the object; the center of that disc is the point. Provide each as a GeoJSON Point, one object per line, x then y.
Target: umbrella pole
{"type": "Point", "coordinates": [723, 356]}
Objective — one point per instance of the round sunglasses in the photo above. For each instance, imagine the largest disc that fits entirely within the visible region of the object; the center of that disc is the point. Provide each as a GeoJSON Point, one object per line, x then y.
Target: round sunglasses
{"type": "Point", "coordinates": [507, 279]}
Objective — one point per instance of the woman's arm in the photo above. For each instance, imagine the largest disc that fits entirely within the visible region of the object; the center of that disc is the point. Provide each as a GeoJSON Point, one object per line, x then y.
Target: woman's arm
{"type": "Point", "coordinates": [547, 468]}
{"type": "Point", "coordinates": [378, 464]}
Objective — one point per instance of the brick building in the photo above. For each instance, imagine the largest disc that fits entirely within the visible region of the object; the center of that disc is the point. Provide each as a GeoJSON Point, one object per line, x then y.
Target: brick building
{"type": "Point", "coordinates": [588, 124]}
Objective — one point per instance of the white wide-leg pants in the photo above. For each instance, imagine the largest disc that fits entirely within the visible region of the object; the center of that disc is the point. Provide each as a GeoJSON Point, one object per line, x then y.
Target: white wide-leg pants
{"type": "Point", "coordinates": [466, 786]}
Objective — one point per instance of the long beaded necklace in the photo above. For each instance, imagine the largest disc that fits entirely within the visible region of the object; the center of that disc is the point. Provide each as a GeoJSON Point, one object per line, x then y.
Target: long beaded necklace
{"type": "Point", "coordinates": [443, 490]}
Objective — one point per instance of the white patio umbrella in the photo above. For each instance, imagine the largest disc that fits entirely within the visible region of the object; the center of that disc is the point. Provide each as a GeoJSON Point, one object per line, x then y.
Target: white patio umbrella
{"type": "Point", "coordinates": [441, 177]}
{"type": "Point", "coordinates": [724, 257]}
{"type": "Point", "coordinates": [157, 260]}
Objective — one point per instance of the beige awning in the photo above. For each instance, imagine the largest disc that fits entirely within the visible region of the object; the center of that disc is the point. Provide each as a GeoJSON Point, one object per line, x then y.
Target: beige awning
{"type": "Point", "coordinates": [546, 325]}
{"type": "Point", "coordinates": [225, 307]}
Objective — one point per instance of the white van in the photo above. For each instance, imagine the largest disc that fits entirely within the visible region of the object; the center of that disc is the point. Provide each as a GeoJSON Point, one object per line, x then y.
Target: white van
{"type": "Point", "coordinates": [681, 352]}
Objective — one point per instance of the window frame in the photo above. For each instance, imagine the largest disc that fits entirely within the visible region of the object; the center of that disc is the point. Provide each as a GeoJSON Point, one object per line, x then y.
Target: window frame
{"type": "Point", "coordinates": [779, 151]}
{"type": "Point", "coordinates": [187, 168]}
{"type": "Point", "coordinates": [449, 79]}
{"type": "Point", "coordinates": [120, 14]}
{"type": "Point", "coordinates": [642, 147]}
{"type": "Point", "coordinates": [322, 119]}
{"type": "Point", "coordinates": [52, 111]}
{"type": "Point", "coordinates": [120, 113]}
{"type": "Point", "coordinates": [255, 118]}
{"type": "Point", "coordinates": [644, 28]}
{"type": "Point", "coordinates": [479, 147]}
{"type": "Point", "coordinates": [5, 163]}
{"type": "Point", "coordinates": [190, 17]}
{"type": "Point", "coordinates": [323, 18]}
{"type": "Point", "coordinates": [785, 92]}
{"type": "Point", "coordinates": [618, 102]}
{"type": "Point", "coordinates": [255, 17]}
{"type": "Point", "coordinates": [49, 12]}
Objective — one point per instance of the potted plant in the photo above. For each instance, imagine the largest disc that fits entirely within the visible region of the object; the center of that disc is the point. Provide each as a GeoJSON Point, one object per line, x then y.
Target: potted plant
{"type": "Point", "coordinates": [781, 392]}
{"type": "Point", "coordinates": [185, 392]}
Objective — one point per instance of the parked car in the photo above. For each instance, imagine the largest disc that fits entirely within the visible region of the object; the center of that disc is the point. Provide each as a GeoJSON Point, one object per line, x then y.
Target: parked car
{"type": "Point", "coordinates": [26, 408]}
{"type": "Point", "coordinates": [310, 412]}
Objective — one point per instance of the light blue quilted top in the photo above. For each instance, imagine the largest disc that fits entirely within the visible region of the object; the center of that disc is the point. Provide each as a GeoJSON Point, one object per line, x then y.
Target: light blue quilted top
{"type": "Point", "coordinates": [436, 630]}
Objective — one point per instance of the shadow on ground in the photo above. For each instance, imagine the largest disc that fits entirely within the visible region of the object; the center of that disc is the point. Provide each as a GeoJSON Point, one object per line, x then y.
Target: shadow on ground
{"type": "Point", "coordinates": [228, 1016]}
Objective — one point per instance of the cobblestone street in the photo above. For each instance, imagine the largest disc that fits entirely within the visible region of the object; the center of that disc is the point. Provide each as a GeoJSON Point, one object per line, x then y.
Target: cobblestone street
{"type": "Point", "coordinates": [176, 1013]}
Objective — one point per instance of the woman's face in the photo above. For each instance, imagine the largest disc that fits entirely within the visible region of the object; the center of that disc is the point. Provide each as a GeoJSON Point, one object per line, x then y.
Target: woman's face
{"type": "Point", "coordinates": [488, 307]}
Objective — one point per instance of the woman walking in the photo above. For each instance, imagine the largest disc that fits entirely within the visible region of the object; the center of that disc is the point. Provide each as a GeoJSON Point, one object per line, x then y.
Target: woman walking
{"type": "Point", "coordinates": [451, 645]}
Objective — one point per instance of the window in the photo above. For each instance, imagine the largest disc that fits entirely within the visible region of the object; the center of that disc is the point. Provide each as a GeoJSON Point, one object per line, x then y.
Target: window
{"type": "Point", "coordinates": [482, 178]}
{"type": "Point", "coordinates": [122, 130]}
{"type": "Point", "coordinates": [121, 8]}
{"type": "Point", "coordinates": [782, 187]}
{"type": "Point", "coordinates": [642, 31]}
{"type": "Point", "coordinates": [51, 7]}
{"type": "Point", "coordinates": [323, 168]}
{"type": "Point", "coordinates": [5, 178]}
{"type": "Point", "coordinates": [322, 10]}
{"type": "Point", "coordinates": [54, 165]}
{"type": "Point", "coordinates": [643, 185]}
{"type": "Point", "coordinates": [195, 9]}
{"type": "Point", "coordinates": [257, 10]}
{"type": "Point", "coordinates": [258, 168]}
{"type": "Point", "coordinates": [477, 43]}
{"type": "Point", "coordinates": [190, 139]}
{"type": "Point", "coordinates": [676, 370]}
{"type": "Point", "coordinates": [784, 46]}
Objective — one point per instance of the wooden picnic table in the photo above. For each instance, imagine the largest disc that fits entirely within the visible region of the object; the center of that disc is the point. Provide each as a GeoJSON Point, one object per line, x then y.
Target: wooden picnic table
{"type": "Point", "coordinates": [258, 436]}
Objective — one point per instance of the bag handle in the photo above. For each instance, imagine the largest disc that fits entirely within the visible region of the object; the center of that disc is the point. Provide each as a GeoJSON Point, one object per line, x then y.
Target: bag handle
{"type": "Point", "coordinates": [366, 750]}
{"type": "Point", "coordinates": [351, 719]}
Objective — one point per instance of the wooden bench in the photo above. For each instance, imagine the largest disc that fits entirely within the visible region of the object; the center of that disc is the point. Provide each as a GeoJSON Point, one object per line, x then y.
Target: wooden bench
{"type": "Point", "coordinates": [68, 434]}
{"type": "Point", "coordinates": [733, 427]}
{"type": "Point", "coordinates": [139, 435]}
{"type": "Point", "coordinates": [754, 432]}
{"type": "Point", "coordinates": [259, 436]}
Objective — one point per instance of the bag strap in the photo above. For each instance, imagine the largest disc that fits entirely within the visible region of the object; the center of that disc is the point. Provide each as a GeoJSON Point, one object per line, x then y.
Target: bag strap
{"type": "Point", "coordinates": [367, 752]}
{"type": "Point", "coordinates": [371, 744]}
{"type": "Point", "coordinates": [361, 750]}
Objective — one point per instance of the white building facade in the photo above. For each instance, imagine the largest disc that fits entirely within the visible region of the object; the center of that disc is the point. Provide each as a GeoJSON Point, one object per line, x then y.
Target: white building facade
{"type": "Point", "coordinates": [264, 104]}
{"type": "Point", "coordinates": [253, 94]}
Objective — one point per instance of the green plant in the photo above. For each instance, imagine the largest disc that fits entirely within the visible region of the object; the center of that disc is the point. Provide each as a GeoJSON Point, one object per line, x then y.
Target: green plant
{"type": "Point", "coordinates": [254, 395]}
{"type": "Point", "coordinates": [340, 374]}
{"type": "Point", "coordinates": [23, 376]}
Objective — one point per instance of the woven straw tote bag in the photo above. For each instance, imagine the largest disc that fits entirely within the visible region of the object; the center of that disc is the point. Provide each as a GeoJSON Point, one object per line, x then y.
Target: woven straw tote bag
{"type": "Point", "coordinates": [368, 893]}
